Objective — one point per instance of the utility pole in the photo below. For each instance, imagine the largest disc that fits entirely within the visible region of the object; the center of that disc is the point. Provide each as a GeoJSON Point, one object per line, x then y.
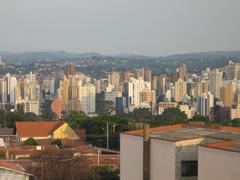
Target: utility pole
{"type": "Point", "coordinates": [107, 137]}
{"type": "Point", "coordinates": [5, 117]}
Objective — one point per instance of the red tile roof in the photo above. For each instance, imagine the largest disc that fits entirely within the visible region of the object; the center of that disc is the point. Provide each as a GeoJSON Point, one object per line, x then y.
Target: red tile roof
{"type": "Point", "coordinates": [10, 165]}
{"type": "Point", "coordinates": [184, 125]}
{"type": "Point", "coordinates": [221, 144]}
{"type": "Point", "coordinates": [37, 129]}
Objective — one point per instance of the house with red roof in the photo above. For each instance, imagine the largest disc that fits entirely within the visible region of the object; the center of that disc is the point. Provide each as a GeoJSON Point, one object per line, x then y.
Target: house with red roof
{"type": "Point", "coordinates": [10, 170]}
{"type": "Point", "coordinates": [45, 130]}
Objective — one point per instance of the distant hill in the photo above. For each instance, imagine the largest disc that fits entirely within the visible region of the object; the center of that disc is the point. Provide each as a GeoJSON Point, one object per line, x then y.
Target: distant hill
{"type": "Point", "coordinates": [194, 61]}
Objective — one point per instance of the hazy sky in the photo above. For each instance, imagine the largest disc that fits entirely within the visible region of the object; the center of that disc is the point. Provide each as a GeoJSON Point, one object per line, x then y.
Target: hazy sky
{"type": "Point", "coordinates": [150, 27]}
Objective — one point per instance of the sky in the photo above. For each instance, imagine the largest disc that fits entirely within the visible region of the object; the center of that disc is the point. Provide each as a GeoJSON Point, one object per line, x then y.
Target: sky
{"type": "Point", "coordinates": [147, 27]}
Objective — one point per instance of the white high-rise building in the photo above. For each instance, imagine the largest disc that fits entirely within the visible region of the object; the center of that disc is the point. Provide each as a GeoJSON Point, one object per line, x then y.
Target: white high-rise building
{"type": "Point", "coordinates": [135, 86]}
{"type": "Point", "coordinates": [3, 91]}
{"type": "Point", "coordinates": [87, 97]}
{"type": "Point", "coordinates": [204, 103]}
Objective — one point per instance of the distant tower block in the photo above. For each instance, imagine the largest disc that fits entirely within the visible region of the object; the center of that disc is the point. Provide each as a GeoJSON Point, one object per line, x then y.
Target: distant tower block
{"type": "Point", "coordinates": [71, 71]}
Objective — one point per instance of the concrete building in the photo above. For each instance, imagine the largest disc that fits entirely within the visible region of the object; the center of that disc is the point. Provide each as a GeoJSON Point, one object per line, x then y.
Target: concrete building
{"type": "Point", "coordinates": [181, 152]}
{"type": "Point", "coordinates": [204, 103]}
{"type": "Point", "coordinates": [29, 106]}
{"type": "Point", "coordinates": [188, 110]}
{"type": "Point", "coordinates": [215, 82]}
{"type": "Point", "coordinates": [114, 78]}
{"type": "Point", "coordinates": [234, 112]}
{"type": "Point", "coordinates": [87, 97]}
{"type": "Point", "coordinates": [182, 72]}
{"type": "Point", "coordinates": [180, 90]}
{"type": "Point", "coordinates": [226, 95]}
{"type": "Point", "coordinates": [202, 87]}
{"type": "Point", "coordinates": [164, 105]}
{"type": "Point", "coordinates": [147, 97]}
{"type": "Point", "coordinates": [13, 171]}
{"type": "Point", "coordinates": [134, 87]}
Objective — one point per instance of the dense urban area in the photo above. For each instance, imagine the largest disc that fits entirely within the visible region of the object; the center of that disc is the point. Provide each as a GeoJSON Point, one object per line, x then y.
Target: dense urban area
{"type": "Point", "coordinates": [62, 115]}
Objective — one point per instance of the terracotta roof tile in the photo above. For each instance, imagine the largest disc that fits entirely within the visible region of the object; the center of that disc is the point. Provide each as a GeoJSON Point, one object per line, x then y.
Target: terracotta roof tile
{"type": "Point", "coordinates": [37, 129]}
{"type": "Point", "coordinates": [10, 165]}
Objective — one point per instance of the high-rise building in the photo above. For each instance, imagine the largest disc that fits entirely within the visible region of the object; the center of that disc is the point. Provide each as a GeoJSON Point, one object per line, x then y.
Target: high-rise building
{"type": "Point", "coordinates": [147, 97]}
{"type": "Point", "coordinates": [226, 95]}
{"type": "Point", "coordinates": [202, 87]}
{"type": "Point", "coordinates": [87, 97]}
{"type": "Point", "coordinates": [71, 71]}
{"type": "Point", "coordinates": [63, 93]}
{"type": "Point", "coordinates": [180, 90]}
{"type": "Point", "coordinates": [114, 78]}
{"type": "Point", "coordinates": [147, 74]}
{"type": "Point", "coordinates": [182, 72]}
{"type": "Point", "coordinates": [134, 87]}
{"type": "Point", "coordinates": [204, 103]}
{"type": "Point", "coordinates": [162, 85]}
{"type": "Point", "coordinates": [215, 82]}
{"type": "Point", "coordinates": [3, 91]}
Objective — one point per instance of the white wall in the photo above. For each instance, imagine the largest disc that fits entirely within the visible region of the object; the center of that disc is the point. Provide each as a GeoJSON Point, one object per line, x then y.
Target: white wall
{"type": "Point", "coordinates": [131, 157]}
{"type": "Point", "coordinates": [214, 164]}
{"type": "Point", "coordinates": [162, 160]}
{"type": "Point", "coordinates": [11, 175]}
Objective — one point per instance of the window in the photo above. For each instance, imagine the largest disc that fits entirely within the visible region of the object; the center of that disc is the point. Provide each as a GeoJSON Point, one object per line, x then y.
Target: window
{"type": "Point", "coordinates": [189, 168]}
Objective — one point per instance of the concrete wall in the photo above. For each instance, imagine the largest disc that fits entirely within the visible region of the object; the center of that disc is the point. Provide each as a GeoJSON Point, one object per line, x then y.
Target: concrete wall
{"type": "Point", "coordinates": [11, 175]}
{"type": "Point", "coordinates": [186, 150]}
{"type": "Point", "coordinates": [214, 164]}
{"type": "Point", "coordinates": [131, 157]}
{"type": "Point", "coordinates": [162, 160]}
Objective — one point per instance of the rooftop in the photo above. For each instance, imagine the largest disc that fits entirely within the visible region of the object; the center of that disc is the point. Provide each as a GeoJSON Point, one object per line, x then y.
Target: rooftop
{"type": "Point", "coordinates": [218, 137]}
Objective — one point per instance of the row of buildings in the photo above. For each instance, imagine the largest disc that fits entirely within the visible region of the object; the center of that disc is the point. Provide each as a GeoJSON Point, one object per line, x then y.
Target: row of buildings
{"type": "Point", "coordinates": [213, 92]}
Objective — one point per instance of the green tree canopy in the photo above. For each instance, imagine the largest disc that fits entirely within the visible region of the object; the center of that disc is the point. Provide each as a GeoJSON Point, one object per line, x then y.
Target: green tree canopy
{"type": "Point", "coordinates": [235, 122]}
{"type": "Point", "coordinates": [198, 117]}
{"type": "Point", "coordinates": [169, 116]}
{"type": "Point", "coordinates": [30, 142]}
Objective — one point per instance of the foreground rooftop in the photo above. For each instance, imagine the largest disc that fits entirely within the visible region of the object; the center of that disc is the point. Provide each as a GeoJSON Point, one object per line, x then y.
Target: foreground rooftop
{"type": "Point", "coordinates": [214, 136]}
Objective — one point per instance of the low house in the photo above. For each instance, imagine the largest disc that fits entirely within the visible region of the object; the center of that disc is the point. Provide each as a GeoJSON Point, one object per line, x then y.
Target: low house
{"type": "Point", "coordinates": [9, 170]}
{"type": "Point", "coordinates": [7, 134]}
{"type": "Point", "coordinates": [45, 130]}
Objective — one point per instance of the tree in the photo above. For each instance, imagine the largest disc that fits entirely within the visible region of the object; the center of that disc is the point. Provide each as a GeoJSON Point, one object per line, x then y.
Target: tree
{"type": "Point", "coordinates": [141, 114]}
{"type": "Point", "coordinates": [75, 119]}
{"type": "Point", "coordinates": [169, 116]}
{"type": "Point", "coordinates": [235, 122]}
{"type": "Point", "coordinates": [104, 107]}
{"type": "Point", "coordinates": [30, 142]}
{"type": "Point", "coordinates": [107, 173]}
{"type": "Point", "coordinates": [12, 117]}
{"type": "Point", "coordinates": [198, 117]}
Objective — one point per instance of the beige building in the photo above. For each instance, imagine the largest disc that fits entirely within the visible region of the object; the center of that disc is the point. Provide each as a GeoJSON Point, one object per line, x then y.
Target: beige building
{"type": "Point", "coordinates": [180, 90]}
{"type": "Point", "coordinates": [164, 105]}
{"type": "Point", "coordinates": [64, 90]}
{"type": "Point", "coordinates": [181, 152]}
{"type": "Point", "coordinates": [114, 78]}
{"type": "Point", "coordinates": [215, 82]}
{"type": "Point", "coordinates": [202, 87]}
{"type": "Point", "coordinates": [226, 95]}
{"type": "Point", "coordinates": [148, 96]}
{"type": "Point", "coordinates": [234, 113]}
